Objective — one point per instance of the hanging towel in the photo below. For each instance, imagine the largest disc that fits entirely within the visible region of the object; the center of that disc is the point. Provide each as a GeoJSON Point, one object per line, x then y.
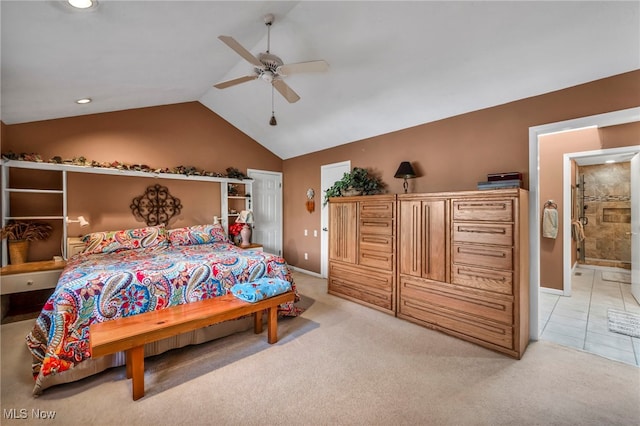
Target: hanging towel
{"type": "Point", "coordinates": [550, 223]}
{"type": "Point", "coordinates": [577, 230]}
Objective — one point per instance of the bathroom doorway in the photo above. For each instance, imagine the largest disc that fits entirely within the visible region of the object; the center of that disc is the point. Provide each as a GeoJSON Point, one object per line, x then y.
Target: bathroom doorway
{"type": "Point", "coordinates": [598, 192]}
{"type": "Point", "coordinates": [601, 181]}
{"type": "Point", "coordinates": [606, 119]}
{"type": "Point", "coordinates": [603, 210]}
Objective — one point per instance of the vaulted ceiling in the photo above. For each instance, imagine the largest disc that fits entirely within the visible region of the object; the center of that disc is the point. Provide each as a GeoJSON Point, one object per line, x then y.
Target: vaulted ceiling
{"type": "Point", "coordinates": [392, 64]}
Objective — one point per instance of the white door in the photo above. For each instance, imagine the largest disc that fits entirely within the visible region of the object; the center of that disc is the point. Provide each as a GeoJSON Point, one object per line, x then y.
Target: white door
{"type": "Point", "coordinates": [635, 226]}
{"type": "Point", "coordinates": [267, 209]}
{"type": "Point", "coordinates": [329, 174]}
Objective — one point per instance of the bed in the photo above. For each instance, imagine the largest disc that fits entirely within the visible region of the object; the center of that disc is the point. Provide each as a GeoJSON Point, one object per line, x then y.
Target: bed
{"type": "Point", "coordinates": [127, 272]}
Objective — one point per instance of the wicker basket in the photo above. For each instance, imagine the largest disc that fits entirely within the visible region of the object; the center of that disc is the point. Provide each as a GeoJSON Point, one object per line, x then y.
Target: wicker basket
{"type": "Point", "coordinates": [18, 251]}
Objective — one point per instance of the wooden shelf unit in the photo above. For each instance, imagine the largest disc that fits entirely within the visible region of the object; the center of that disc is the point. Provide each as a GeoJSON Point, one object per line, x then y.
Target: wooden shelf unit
{"type": "Point", "coordinates": [235, 202]}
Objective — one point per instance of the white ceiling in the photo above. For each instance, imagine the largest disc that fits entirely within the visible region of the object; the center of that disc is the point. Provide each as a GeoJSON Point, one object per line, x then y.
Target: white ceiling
{"type": "Point", "coordinates": [393, 65]}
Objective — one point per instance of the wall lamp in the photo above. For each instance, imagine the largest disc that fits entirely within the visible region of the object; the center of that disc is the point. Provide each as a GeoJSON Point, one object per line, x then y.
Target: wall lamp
{"type": "Point", "coordinates": [81, 220]}
{"type": "Point", "coordinates": [405, 171]}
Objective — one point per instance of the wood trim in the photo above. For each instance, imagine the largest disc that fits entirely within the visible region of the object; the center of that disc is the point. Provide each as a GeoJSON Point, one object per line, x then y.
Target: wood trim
{"type": "Point", "coordinates": [45, 265]}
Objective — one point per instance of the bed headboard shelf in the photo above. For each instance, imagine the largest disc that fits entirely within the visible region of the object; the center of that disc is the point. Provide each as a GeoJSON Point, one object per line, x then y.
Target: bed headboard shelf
{"type": "Point", "coordinates": [70, 168]}
{"type": "Point", "coordinates": [115, 172]}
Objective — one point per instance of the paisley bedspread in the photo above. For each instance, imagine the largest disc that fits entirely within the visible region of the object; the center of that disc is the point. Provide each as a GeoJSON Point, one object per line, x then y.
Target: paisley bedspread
{"type": "Point", "coordinates": [100, 287]}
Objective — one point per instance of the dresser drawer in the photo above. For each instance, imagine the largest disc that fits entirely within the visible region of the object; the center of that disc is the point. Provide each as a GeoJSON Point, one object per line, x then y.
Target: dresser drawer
{"type": "Point", "coordinates": [339, 287]}
{"type": "Point", "coordinates": [376, 259]}
{"type": "Point", "coordinates": [485, 256]}
{"type": "Point", "coordinates": [484, 233]}
{"type": "Point", "coordinates": [491, 210]}
{"type": "Point", "coordinates": [446, 296]}
{"type": "Point", "coordinates": [454, 323]}
{"type": "Point", "coordinates": [376, 226]}
{"type": "Point", "coordinates": [376, 242]}
{"type": "Point", "coordinates": [483, 279]}
{"type": "Point", "coordinates": [362, 286]}
{"type": "Point", "coordinates": [361, 277]}
{"type": "Point", "coordinates": [17, 283]}
{"type": "Point", "coordinates": [370, 209]}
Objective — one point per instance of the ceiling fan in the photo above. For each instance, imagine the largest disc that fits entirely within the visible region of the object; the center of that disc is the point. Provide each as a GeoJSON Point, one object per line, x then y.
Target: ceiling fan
{"type": "Point", "coordinates": [269, 67]}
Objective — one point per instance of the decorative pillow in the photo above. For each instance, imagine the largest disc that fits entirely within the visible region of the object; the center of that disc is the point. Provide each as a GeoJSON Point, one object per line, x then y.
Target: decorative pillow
{"type": "Point", "coordinates": [198, 234]}
{"type": "Point", "coordinates": [126, 239]}
{"type": "Point", "coordinates": [259, 289]}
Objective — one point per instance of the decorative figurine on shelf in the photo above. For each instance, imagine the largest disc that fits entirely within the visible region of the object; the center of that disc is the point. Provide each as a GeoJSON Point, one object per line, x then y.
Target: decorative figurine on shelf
{"type": "Point", "coordinates": [233, 190]}
{"type": "Point", "coordinates": [245, 217]}
{"type": "Point", "coordinates": [234, 173]}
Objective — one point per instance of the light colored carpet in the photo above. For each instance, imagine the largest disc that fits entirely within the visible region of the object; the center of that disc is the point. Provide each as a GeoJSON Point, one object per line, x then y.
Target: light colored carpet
{"type": "Point", "coordinates": [339, 363]}
{"type": "Point", "coordinates": [620, 277]}
{"type": "Point", "coordinates": [624, 322]}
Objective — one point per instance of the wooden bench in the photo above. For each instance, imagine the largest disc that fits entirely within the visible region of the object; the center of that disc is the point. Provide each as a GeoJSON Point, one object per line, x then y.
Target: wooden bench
{"type": "Point", "coordinates": [130, 334]}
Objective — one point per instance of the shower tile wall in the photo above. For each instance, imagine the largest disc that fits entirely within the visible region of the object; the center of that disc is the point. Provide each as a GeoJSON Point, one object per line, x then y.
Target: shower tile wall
{"type": "Point", "coordinates": [607, 195]}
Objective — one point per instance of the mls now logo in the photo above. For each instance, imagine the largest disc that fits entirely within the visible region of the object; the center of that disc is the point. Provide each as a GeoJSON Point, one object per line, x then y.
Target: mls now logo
{"type": "Point", "coordinates": [23, 413]}
{"type": "Point", "coordinates": [14, 413]}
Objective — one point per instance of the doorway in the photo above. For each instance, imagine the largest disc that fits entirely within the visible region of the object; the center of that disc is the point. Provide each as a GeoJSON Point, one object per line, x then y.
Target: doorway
{"type": "Point", "coordinates": [607, 119]}
{"type": "Point", "coordinates": [587, 159]}
{"type": "Point", "coordinates": [267, 209]}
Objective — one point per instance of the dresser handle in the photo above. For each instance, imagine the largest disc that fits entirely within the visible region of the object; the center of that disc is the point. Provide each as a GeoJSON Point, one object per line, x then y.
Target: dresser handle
{"type": "Point", "coordinates": [480, 252]}
{"type": "Point", "coordinates": [481, 230]}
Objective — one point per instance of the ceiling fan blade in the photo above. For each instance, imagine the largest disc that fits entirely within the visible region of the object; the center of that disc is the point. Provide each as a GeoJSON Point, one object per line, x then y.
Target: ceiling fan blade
{"type": "Point", "coordinates": [299, 67]}
{"type": "Point", "coordinates": [286, 91]}
{"type": "Point", "coordinates": [229, 83]}
{"type": "Point", "coordinates": [229, 41]}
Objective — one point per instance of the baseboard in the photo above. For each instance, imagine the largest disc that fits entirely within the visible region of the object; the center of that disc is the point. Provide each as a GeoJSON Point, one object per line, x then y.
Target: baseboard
{"type": "Point", "coordinates": [304, 271]}
{"type": "Point", "coordinates": [603, 268]}
{"type": "Point", "coordinates": [552, 291]}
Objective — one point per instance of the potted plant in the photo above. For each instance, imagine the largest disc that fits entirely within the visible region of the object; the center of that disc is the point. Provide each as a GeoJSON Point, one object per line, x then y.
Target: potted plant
{"type": "Point", "coordinates": [19, 234]}
{"type": "Point", "coordinates": [357, 182]}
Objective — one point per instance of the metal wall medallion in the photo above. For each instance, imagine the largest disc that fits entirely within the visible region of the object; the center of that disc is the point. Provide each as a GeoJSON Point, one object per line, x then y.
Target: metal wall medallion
{"type": "Point", "coordinates": [156, 206]}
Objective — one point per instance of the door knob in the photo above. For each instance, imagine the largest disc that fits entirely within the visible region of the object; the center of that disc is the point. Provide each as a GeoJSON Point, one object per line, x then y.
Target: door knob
{"type": "Point", "coordinates": [325, 229]}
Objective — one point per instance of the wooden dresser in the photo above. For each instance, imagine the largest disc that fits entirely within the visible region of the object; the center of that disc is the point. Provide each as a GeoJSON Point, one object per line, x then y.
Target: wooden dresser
{"type": "Point", "coordinates": [362, 243]}
{"type": "Point", "coordinates": [463, 265]}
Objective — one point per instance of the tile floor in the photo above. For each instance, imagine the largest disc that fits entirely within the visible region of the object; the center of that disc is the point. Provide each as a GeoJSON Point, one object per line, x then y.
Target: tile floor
{"type": "Point", "coordinates": [580, 321]}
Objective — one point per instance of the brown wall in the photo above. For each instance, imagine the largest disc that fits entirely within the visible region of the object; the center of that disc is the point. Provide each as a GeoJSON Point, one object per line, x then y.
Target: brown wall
{"type": "Point", "coordinates": [186, 134]}
{"type": "Point", "coordinates": [552, 148]}
{"type": "Point", "coordinates": [449, 155]}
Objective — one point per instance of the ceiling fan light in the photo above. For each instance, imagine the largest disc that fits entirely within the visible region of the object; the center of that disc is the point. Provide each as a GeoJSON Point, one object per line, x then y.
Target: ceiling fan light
{"type": "Point", "coordinates": [273, 121]}
{"type": "Point", "coordinates": [267, 76]}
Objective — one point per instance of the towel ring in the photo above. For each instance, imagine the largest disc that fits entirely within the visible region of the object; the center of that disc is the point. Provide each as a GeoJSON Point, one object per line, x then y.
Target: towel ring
{"type": "Point", "coordinates": [551, 204]}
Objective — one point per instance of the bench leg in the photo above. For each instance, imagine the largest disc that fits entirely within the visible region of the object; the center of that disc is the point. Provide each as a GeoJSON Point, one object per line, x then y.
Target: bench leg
{"type": "Point", "coordinates": [272, 323]}
{"type": "Point", "coordinates": [135, 370]}
{"type": "Point", "coordinates": [257, 322]}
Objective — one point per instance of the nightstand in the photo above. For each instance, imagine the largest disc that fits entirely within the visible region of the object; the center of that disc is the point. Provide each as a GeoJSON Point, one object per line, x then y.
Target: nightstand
{"type": "Point", "coordinates": [30, 276]}
{"type": "Point", "coordinates": [254, 247]}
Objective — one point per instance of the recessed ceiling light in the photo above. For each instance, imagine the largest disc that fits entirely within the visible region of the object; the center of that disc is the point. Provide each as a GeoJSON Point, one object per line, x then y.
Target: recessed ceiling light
{"type": "Point", "coordinates": [82, 4]}
{"type": "Point", "coordinates": [83, 101]}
